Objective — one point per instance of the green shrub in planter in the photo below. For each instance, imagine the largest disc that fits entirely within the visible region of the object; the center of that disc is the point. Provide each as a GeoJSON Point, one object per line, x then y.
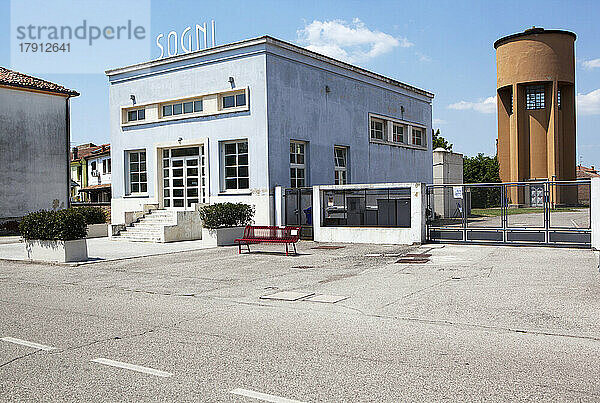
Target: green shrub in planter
{"type": "Point", "coordinates": [93, 215]}
{"type": "Point", "coordinates": [64, 225]}
{"type": "Point", "coordinates": [223, 215]}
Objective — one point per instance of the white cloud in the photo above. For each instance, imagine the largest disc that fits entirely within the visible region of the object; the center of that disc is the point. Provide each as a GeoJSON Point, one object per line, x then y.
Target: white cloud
{"type": "Point", "coordinates": [591, 64]}
{"type": "Point", "coordinates": [351, 42]}
{"type": "Point", "coordinates": [487, 105]}
{"type": "Point", "coordinates": [438, 121]}
{"type": "Point", "coordinates": [589, 104]}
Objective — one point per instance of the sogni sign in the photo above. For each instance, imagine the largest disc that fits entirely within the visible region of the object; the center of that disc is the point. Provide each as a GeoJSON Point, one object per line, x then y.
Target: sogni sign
{"type": "Point", "coordinates": [175, 43]}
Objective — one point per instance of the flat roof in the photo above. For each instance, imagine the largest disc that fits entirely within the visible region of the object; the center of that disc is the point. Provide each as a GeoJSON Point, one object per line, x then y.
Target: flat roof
{"type": "Point", "coordinates": [532, 31]}
{"type": "Point", "coordinates": [272, 41]}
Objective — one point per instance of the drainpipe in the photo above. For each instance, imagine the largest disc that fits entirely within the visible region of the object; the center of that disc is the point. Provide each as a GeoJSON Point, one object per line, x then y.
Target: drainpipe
{"type": "Point", "coordinates": [68, 133]}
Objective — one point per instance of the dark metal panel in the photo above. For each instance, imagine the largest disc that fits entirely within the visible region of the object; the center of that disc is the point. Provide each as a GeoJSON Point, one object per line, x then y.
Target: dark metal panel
{"type": "Point", "coordinates": [482, 235]}
{"type": "Point", "coordinates": [525, 236]}
{"type": "Point", "coordinates": [570, 237]}
{"type": "Point", "coordinates": [446, 235]}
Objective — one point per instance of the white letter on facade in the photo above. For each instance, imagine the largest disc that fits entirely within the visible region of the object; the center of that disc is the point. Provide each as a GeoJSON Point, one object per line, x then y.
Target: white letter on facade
{"type": "Point", "coordinates": [198, 29]}
{"type": "Point", "coordinates": [189, 48]}
{"type": "Point", "coordinates": [169, 43]}
{"type": "Point", "coordinates": [162, 50]}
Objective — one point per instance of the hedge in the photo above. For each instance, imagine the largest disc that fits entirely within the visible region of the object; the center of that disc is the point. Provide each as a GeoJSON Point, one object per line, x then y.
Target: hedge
{"type": "Point", "coordinates": [223, 215]}
{"type": "Point", "coordinates": [65, 225]}
{"type": "Point", "coordinates": [93, 215]}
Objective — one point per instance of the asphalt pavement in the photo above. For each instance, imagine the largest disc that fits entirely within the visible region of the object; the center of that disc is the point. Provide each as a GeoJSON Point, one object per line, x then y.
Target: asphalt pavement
{"type": "Point", "coordinates": [466, 323]}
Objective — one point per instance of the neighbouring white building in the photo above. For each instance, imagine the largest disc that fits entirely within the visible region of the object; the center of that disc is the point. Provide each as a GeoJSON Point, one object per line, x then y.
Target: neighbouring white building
{"type": "Point", "coordinates": [34, 139]}
{"type": "Point", "coordinates": [231, 123]}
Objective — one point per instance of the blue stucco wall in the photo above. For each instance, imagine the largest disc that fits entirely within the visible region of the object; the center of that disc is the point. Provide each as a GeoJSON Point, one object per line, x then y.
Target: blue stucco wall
{"type": "Point", "coordinates": [300, 109]}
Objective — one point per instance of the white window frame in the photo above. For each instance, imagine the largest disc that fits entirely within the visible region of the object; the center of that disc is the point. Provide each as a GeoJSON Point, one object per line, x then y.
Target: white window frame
{"type": "Point", "coordinates": [388, 136]}
{"type": "Point", "coordinates": [340, 171]}
{"type": "Point", "coordinates": [404, 133]}
{"type": "Point", "coordinates": [129, 172]}
{"type": "Point", "coordinates": [237, 166]}
{"type": "Point", "coordinates": [233, 94]}
{"type": "Point", "coordinates": [137, 114]}
{"type": "Point", "coordinates": [295, 165]}
{"type": "Point", "coordinates": [383, 129]}
{"type": "Point", "coordinates": [413, 136]}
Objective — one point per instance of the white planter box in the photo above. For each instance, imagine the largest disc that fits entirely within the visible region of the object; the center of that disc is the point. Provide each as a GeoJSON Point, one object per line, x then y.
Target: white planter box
{"type": "Point", "coordinates": [97, 230]}
{"type": "Point", "coordinates": [221, 236]}
{"type": "Point", "coordinates": [57, 251]}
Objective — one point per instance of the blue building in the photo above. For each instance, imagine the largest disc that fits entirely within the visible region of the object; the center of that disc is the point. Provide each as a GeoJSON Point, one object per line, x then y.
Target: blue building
{"type": "Point", "coordinates": [230, 123]}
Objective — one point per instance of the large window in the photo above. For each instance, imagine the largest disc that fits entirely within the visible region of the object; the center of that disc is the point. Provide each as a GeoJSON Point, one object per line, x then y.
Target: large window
{"type": "Point", "coordinates": [535, 97]}
{"type": "Point", "coordinates": [341, 165]}
{"type": "Point", "coordinates": [135, 115]}
{"type": "Point", "coordinates": [297, 164]}
{"type": "Point", "coordinates": [378, 129]}
{"type": "Point", "coordinates": [235, 164]}
{"type": "Point", "coordinates": [417, 136]}
{"type": "Point", "coordinates": [398, 133]}
{"type": "Point", "coordinates": [234, 100]}
{"type": "Point", "coordinates": [138, 181]}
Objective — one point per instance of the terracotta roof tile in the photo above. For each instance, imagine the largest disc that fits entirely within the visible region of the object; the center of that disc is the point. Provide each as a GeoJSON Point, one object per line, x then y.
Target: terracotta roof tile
{"type": "Point", "coordinates": [15, 79]}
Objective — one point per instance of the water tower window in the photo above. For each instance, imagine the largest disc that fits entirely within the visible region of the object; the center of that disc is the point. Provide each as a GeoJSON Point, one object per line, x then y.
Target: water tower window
{"type": "Point", "coordinates": [534, 97]}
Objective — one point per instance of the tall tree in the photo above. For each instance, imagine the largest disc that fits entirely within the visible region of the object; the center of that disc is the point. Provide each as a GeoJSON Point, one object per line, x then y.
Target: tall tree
{"type": "Point", "coordinates": [482, 169]}
{"type": "Point", "coordinates": [438, 141]}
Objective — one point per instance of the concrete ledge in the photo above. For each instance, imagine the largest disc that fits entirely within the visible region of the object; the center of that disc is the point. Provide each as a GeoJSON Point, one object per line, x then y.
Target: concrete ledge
{"type": "Point", "coordinates": [221, 236]}
{"type": "Point", "coordinates": [97, 230]}
{"type": "Point", "coordinates": [57, 251]}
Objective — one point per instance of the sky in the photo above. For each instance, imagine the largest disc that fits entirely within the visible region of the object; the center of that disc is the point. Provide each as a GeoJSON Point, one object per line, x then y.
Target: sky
{"type": "Point", "coordinates": [445, 47]}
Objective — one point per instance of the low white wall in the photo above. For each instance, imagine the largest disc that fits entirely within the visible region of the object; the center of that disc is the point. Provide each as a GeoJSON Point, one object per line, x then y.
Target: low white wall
{"type": "Point", "coordinates": [383, 235]}
{"type": "Point", "coordinates": [221, 236]}
{"type": "Point", "coordinates": [595, 212]}
{"type": "Point", "coordinates": [57, 251]}
{"type": "Point", "coordinates": [97, 230]}
{"type": "Point", "coordinates": [188, 228]}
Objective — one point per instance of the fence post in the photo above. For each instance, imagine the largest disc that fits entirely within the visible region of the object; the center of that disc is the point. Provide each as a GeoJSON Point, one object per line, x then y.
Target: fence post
{"type": "Point", "coordinates": [595, 212]}
{"type": "Point", "coordinates": [279, 206]}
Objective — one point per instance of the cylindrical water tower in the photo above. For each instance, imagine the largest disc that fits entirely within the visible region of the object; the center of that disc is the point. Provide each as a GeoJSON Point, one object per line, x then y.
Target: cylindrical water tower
{"type": "Point", "coordinates": [536, 110]}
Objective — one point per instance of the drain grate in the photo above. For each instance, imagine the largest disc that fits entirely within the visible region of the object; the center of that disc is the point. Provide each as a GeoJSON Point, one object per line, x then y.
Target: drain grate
{"type": "Point", "coordinates": [303, 267]}
{"type": "Point", "coordinates": [418, 255]}
{"type": "Point", "coordinates": [412, 260]}
{"type": "Point", "coordinates": [328, 247]}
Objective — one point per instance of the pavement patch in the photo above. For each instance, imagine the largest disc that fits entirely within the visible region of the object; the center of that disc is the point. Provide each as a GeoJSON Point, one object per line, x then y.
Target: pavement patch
{"type": "Point", "coordinates": [328, 247]}
{"type": "Point", "coordinates": [288, 295]}
{"type": "Point", "coordinates": [327, 299]}
{"type": "Point", "coordinates": [412, 260]}
{"type": "Point", "coordinates": [132, 367]}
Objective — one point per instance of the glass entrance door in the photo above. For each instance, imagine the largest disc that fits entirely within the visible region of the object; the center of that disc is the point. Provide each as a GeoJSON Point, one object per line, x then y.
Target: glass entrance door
{"type": "Point", "coordinates": [183, 177]}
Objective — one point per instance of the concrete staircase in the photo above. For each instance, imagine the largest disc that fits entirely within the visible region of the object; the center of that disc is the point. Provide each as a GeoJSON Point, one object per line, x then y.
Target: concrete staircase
{"type": "Point", "coordinates": [150, 227]}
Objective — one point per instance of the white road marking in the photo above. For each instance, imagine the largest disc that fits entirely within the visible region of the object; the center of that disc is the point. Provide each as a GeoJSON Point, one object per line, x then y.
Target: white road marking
{"type": "Point", "coordinates": [575, 224]}
{"type": "Point", "coordinates": [28, 343]}
{"type": "Point", "coordinates": [132, 367]}
{"type": "Point", "coordinates": [262, 396]}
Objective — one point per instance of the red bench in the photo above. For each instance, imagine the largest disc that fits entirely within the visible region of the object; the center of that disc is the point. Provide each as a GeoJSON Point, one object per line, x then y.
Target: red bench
{"type": "Point", "coordinates": [269, 234]}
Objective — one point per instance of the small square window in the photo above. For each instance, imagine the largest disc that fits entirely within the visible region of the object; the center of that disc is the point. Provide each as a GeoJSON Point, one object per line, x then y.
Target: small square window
{"type": "Point", "coordinates": [228, 101]}
{"type": "Point", "coordinates": [188, 107]}
{"type": "Point", "coordinates": [167, 110]}
{"type": "Point", "coordinates": [132, 116]}
{"type": "Point", "coordinates": [240, 100]}
{"type": "Point", "coordinates": [197, 106]}
{"type": "Point", "coordinates": [177, 109]}
{"type": "Point", "coordinates": [141, 114]}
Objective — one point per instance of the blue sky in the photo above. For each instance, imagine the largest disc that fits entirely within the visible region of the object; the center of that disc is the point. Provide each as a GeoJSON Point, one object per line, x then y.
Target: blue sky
{"type": "Point", "coordinates": [442, 46]}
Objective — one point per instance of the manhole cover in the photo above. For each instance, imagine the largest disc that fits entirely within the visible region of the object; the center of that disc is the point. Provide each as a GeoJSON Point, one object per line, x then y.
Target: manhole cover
{"type": "Point", "coordinates": [413, 261]}
{"type": "Point", "coordinates": [288, 295]}
{"type": "Point", "coordinates": [418, 255]}
{"type": "Point", "coordinates": [328, 247]}
{"type": "Point", "coordinates": [327, 299]}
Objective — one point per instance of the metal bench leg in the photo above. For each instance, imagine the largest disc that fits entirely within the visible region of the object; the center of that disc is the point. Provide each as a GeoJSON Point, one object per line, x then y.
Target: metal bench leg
{"type": "Point", "coordinates": [286, 249]}
{"type": "Point", "coordinates": [239, 248]}
{"type": "Point", "coordinates": [248, 246]}
{"type": "Point", "coordinates": [294, 245]}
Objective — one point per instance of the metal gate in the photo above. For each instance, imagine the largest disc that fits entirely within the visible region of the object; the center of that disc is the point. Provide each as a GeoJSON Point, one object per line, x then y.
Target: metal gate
{"type": "Point", "coordinates": [298, 210]}
{"type": "Point", "coordinates": [521, 213]}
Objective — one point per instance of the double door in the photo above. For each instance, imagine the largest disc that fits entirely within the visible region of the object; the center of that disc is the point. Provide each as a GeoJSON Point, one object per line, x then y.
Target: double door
{"type": "Point", "coordinates": [184, 181]}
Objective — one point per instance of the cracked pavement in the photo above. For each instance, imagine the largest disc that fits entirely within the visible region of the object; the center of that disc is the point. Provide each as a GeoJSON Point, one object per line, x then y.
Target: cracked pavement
{"type": "Point", "coordinates": [473, 323]}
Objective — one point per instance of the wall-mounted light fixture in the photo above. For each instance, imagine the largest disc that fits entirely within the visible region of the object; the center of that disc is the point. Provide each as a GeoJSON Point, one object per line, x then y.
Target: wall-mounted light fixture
{"type": "Point", "coordinates": [232, 82]}
{"type": "Point", "coordinates": [327, 89]}
{"type": "Point", "coordinates": [179, 140]}
{"type": "Point", "coordinates": [132, 97]}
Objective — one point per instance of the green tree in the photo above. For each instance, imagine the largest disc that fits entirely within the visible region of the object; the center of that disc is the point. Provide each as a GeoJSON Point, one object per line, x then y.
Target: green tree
{"type": "Point", "coordinates": [482, 169]}
{"type": "Point", "coordinates": [438, 141]}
